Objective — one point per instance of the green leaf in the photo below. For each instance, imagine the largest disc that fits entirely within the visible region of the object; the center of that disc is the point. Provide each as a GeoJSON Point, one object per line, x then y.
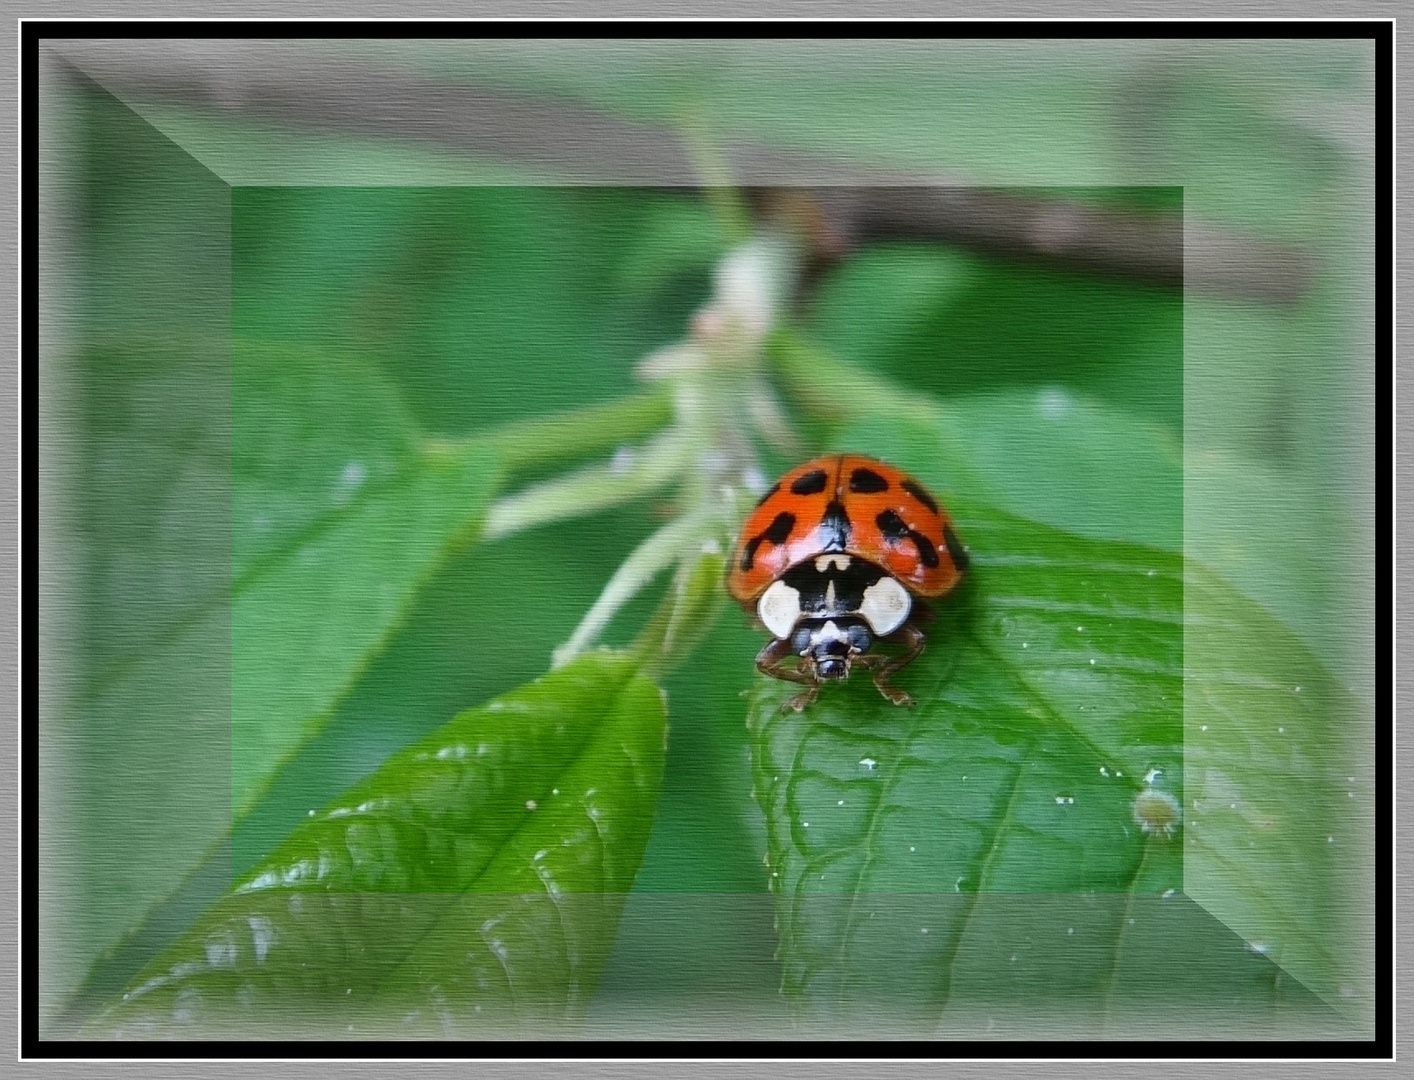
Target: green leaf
{"type": "Point", "coordinates": [675, 239]}
{"type": "Point", "coordinates": [137, 526]}
{"type": "Point", "coordinates": [471, 883]}
{"type": "Point", "coordinates": [338, 518]}
{"type": "Point", "coordinates": [1046, 454]}
{"type": "Point", "coordinates": [435, 664]}
{"type": "Point", "coordinates": [483, 305]}
{"type": "Point", "coordinates": [695, 952]}
{"type": "Point", "coordinates": [1273, 535]}
{"type": "Point", "coordinates": [312, 433]}
{"type": "Point", "coordinates": [1049, 730]}
{"type": "Point", "coordinates": [1073, 463]}
{"type": "Point", "coordinates": [949, 322]}
{"type": "Point", "coordinates": [1081, 465]}
{"type": "Point", "coordinates": [1279, 809]}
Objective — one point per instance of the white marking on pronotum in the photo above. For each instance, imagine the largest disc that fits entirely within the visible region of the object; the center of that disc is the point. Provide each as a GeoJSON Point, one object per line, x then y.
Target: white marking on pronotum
{"type": "Point", "coordinates": [824, 562]}
{"type": "Point", "coordinates": [779, 609]}
{"type": "Point", "coordinates": [885, 606]}
{"type": "Point", "coordinates": [829, 595]}
{"type": "Point", "coordinates": [829, 632]}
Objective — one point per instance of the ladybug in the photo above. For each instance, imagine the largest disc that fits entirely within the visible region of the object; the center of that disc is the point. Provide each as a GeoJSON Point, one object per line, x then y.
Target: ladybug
{"type": "Point", "coordinates": [831, 561]}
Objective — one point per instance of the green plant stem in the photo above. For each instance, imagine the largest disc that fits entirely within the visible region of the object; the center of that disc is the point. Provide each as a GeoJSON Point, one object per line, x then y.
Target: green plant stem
{"type": "Point", "coordinates": [651, 557]}
{"type": "Point", "coordinates": [712, 165]}
{"type": "Point", "coordinates": [528, 444]}
{"type": "Point", "coordinates": [593, 488]}
{"type": "Point", "coordinates": [684, 617]}
{"type": "Point", "coordinates": [832, 391]}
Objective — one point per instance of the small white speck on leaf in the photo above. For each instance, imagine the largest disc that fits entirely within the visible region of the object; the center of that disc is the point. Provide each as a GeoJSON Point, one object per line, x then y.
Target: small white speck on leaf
{"type": "Point", "coordinates": [623, 460]}
{"type": "Point", "coordinates": [1053, 402]}
{"type": "Point", "coordinates": [350, 480]}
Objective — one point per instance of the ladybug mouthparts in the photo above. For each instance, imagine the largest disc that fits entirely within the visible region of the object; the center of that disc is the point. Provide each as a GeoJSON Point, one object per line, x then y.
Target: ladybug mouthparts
{"type": "Point", "coordinates": [830, 644]}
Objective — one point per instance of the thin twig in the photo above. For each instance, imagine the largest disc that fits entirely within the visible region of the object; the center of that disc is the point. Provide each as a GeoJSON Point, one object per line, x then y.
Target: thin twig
{"type": "Point", "coordinates": [571, 143]}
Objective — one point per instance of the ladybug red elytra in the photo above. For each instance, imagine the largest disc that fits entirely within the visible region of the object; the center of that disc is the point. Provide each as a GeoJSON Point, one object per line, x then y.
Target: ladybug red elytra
{"type": "Point", "coordinates": [831, 560]}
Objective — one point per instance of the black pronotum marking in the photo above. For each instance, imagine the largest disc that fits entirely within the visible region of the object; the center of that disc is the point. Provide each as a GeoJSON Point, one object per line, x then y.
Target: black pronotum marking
{"type": "Point", "coordinates": [955, 548]}
{"type": "Point", "coordinates": [917, 491]}
{"type": "Point", "coordinates": [776, 532]}
{"type": "Point", "coordinates": [896, 529]}
{"type": "Point", "coordinates": [818, 600]}
{"type": "Point", "coordinates": [834, 528]}
{"type": "Point", "coordinates": [867, 482]}
{"type": "Point", "coordinates": [774, 488]}
{"type": "Point", "coordinates": [812, 483]}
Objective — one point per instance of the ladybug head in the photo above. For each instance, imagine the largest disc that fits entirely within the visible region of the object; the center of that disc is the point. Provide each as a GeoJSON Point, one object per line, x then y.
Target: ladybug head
{"type": "Point", "coordinates": [827, 646]}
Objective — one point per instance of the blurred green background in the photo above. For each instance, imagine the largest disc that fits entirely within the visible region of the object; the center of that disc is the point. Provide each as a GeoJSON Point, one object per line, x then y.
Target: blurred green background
{"type": "Point", "coordinates": [406, 290]}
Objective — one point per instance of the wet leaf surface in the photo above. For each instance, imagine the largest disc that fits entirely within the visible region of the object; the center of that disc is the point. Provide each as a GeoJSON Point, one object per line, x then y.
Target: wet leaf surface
{"type": "Point", "coordinates": [475, 879]}
{"type": "Point", "coordinates": [1037, 794]}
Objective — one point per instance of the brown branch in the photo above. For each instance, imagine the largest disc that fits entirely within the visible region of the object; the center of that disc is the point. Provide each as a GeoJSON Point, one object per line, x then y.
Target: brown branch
{"type": "Point", "coordinates": [845, 206]}
{"type": "Point", "coordinates": [1148, 247]}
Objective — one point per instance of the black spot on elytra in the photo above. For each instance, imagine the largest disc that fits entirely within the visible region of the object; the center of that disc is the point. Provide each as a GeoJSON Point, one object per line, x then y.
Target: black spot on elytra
{"type": "Point", "coordinates": [748, 553]}
{"type": "Point", "coordinates": [896, 529]}
{"type": "Point", "coordinates": [812, 483]}
{"type": "Point", "coordinates": [891, 525]}
{"type": "Point", "coordinates": [955, 548]}
{"type": "Point", "coordinates": [926, 551]}
{"type": "Point", "coordinates": [920, 493]}
{"type": "Point", "coordinates": [834, 528]}
{"type": "Point", "coordinates": [779, 529]}
{"type": "Point", "coordinates": [867, 482]}
{"type": "Point", "coordinates": [776, 533]}
{"type": "Point", "coordinates": [774, 488]}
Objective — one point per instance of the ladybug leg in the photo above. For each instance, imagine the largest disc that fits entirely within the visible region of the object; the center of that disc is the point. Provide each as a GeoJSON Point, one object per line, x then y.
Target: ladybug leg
{"type": "Point", "coordinates": [911, 638]}
{"type": "Point", "coordinates": [802, 699]}
{"type": "Point", "coordinates": [773, 660]}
